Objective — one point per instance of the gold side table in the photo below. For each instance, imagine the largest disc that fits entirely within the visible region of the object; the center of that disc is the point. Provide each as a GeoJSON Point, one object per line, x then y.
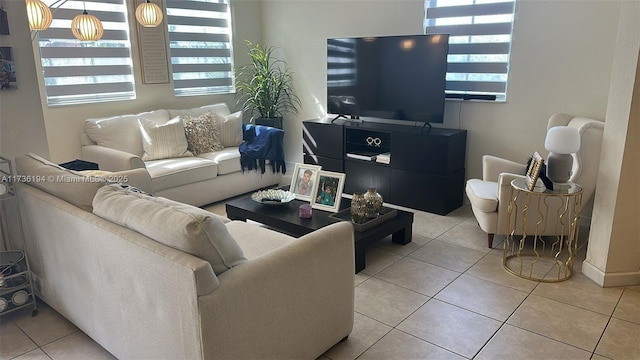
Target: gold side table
{"type": "Point", "coordinates": [528, 253]}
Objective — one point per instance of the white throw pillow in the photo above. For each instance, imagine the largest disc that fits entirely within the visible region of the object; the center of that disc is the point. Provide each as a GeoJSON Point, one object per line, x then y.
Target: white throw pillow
{"type": "Point", "coordinates": [163, 141]}
{"type": "Point", "coordinates": [230, 129]}
{"type": "Point", "coordinates": [180, 226]}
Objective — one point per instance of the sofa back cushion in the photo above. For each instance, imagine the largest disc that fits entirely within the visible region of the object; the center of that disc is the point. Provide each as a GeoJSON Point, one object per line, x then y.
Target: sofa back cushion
{"type": "Point", "coordinates": [65, 184]}
{"type": "Point", "coordinates": [183, 227]}
{"type": "Point", "coordinates": [122, 132]}
{"type": "Point", "coordinates": [220, 108]}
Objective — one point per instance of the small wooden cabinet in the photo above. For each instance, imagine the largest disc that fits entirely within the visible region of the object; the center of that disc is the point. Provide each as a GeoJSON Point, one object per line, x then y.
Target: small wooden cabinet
{"type": "Point", "coordinates": [426, 171]}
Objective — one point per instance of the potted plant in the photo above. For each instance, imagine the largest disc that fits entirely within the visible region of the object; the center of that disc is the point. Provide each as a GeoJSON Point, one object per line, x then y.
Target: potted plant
{"type": "Point", "coordinates": [265, 87]}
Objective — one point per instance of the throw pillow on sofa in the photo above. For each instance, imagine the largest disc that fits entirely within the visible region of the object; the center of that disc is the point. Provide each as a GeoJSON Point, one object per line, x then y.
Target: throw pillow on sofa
{"type": "Point", "coordinates": [174, 224]}
{"type": "Point", "coordinates": [163, 141]}
{"type": "Point", "coordinates": [203, 133]}
{"type": "Point", "coordinates": [230, 129]}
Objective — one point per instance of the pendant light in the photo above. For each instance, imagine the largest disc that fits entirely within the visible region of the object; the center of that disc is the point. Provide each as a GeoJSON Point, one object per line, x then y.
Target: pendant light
{"type": "Point", "coordinates": [86, 27]}
{"type": "Point", "coordinates": [149, 14]}
{"type": "Point", "coordinates": [38, 14]}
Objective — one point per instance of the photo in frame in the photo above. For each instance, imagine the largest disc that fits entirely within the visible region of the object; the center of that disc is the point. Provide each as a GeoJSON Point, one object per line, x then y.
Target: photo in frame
{"type": "Point", "coordinates": [327, 192]}
{"type": "Point", "coordinates": [304, 178]}
{"type": "Point", "coordinates": [533, 171]}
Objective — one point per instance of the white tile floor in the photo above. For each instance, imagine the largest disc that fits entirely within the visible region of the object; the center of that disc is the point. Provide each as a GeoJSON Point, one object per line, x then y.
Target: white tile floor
{"type": "Point", "coordinates": [443, 296]}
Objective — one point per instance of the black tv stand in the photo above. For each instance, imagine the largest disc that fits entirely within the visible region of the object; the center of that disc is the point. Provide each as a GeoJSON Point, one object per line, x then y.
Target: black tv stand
{"type": "Point", "coordinates": [426, 170]}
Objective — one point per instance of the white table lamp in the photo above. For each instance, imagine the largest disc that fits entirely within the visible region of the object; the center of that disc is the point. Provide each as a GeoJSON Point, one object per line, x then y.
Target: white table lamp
{"type": "Point", "coordinates": [561, 142]}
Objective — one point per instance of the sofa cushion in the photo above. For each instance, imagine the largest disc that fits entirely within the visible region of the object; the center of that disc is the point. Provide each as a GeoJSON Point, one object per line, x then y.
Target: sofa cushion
{"type": "Point", "coordinates": [168, 173]}
{"type": "Point", "coordinates": [483, 195]}
{"type": "Point", "coordinates": [228, 160]}
{"type": "Point", "coordinates": [183, 227]}
{"type": "Point", "coordinates": [65, 184]}
{"type": "Point", "coordinates": [122, 132]}
{"type": "Point", "coordinates": [203, 133]}
{"type": "Point", "coordinates": [163, 141]}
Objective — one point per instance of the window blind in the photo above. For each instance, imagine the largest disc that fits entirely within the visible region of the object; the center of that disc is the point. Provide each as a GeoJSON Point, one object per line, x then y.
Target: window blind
{"type": "Point", "coordinates": [341, 62]}
{"type": "Point", "coordinates": [200, 44]}
{"type": "Point", "coordinates": [479, 43]}
{"type": "Point", "coordinates": [77, 72]}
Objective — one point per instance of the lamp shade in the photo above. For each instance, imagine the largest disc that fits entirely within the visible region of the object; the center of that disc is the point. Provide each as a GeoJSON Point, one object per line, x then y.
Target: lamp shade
{"type": "Point", "coordinates": [149, 14]}
{"type": "Point", "coordinates": [562, 140]}
{"type": "Point", "coordinates": [87, 27]}
{"type": "Point", "coordinates": [38, 15]}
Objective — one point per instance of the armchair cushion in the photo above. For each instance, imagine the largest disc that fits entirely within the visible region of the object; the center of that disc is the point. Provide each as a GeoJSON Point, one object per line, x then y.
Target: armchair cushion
{"type": "Point", "coordinates": [483, 194]}
{"type": "Point", "coordinates": [174, 224]}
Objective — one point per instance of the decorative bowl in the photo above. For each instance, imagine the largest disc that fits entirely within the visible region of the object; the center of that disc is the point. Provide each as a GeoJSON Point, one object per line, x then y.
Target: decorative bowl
{"type": "Point", "coordinates": [273, 197]}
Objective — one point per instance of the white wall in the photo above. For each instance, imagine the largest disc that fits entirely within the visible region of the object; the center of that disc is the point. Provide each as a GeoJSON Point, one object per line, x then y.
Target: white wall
{"type": "Point", "coordinates": [63, 124]}
{"type": "Point", "coordinates": [613, 256]}
{"type": "Point", "coordinates": [21, 120]}
{"type": "Point", "coordinates": [561, 61]}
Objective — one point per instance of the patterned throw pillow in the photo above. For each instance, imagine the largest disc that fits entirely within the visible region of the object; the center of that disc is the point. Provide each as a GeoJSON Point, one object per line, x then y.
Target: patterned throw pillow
{"type": "Point", "coordinates": [203, 133]}
{"type": "Point", "coordinates": [163, 141]}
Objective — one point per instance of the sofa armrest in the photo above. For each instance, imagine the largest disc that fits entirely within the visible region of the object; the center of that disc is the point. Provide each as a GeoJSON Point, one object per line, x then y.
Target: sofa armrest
{"type": "Point", "coordinates": [111, 159]}
{"type": "Point", "coordinates": [294, 302]}
{"type": "Point", "coordinates": [493, 166]}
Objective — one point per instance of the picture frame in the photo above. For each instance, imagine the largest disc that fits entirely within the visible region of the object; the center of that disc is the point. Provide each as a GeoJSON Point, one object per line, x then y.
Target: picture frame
{"type": "Point", "coordinates": [533, 171]}
{"type": "Point", "coordinates": [302, 188]}
{"type": "Point", "coordinates": [327, 192]}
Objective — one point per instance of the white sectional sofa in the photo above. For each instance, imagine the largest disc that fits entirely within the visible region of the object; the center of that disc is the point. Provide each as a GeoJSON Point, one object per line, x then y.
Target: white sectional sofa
{"type": "Point", "coordinates": [116, 144]}
{"type": "Point", "coordinates": [150, 278]}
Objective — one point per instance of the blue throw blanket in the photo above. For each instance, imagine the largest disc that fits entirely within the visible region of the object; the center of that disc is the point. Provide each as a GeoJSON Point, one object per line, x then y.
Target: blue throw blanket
{"type": "Point", "coordinates": [262, 143]}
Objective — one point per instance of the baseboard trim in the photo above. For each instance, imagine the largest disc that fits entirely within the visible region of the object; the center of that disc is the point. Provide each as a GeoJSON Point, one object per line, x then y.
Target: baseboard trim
{"type": "Point", "coordinates": [610, 279]}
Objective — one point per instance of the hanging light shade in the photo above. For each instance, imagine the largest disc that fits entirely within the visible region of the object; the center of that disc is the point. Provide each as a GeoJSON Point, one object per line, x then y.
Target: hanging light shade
{"type": "Point", "coordinates": [87, 27]}
{"type": "Point", "coordinates": [38, 15]}
{"type": "Point", "coordinates": [149, 14]}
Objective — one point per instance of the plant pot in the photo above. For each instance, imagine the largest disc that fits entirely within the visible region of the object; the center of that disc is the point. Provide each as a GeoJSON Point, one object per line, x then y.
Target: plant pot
{"type": "Point", "coordinates": [273, 122]}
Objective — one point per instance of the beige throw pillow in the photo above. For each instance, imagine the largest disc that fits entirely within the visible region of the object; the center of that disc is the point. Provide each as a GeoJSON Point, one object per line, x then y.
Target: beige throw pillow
{"type": "Point", "coordinates": [203, 133]}
{"type": "Point", "coordinates": [163, 141]}
{"type": "Point", "coordinates": [230, 129]}
{"type": "Point", "coordinates": [174, 224]}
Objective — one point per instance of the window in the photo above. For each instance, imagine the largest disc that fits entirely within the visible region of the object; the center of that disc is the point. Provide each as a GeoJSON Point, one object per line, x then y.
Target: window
{"type": "Point", "coordinates": [200, 43]}
{"type": "Point", "coordinates": [77, 72]}
{"type": "Point", "coordinates": [479, 43]}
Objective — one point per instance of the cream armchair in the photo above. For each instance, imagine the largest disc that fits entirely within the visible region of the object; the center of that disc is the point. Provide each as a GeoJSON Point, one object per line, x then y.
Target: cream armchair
{"type": "Point", "coordinates": [489, 197]}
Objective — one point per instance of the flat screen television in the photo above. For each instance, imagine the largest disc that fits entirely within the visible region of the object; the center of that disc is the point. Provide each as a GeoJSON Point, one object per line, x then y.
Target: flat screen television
{"type": "Point", "coordinates": [388, 77]}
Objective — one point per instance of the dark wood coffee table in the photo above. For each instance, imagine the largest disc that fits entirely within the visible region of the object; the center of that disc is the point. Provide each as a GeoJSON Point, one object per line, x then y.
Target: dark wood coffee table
{"type": "Point", "coordinates": [284, 218]}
